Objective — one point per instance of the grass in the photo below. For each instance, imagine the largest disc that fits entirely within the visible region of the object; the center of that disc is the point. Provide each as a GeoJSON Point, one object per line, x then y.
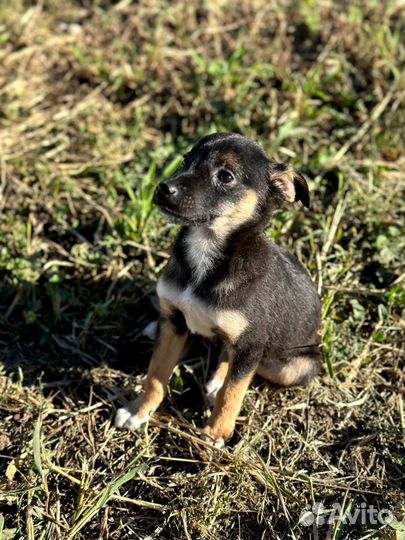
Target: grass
{"type": "Point", "coordinates": [97, 102]}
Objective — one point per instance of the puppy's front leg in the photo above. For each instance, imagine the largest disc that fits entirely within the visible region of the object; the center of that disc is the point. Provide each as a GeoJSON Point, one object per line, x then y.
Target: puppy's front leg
{"type": "Point", "coordinates": [161, 366]}
{"type": "Point", "coordinates": [228, 403]}
{"type": "Point", "coordinates": [217, 380]}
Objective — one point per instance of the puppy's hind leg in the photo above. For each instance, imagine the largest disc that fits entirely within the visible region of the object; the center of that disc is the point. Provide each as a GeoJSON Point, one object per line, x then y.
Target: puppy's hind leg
{"type": "Point", "coordinates": [217, 380]}
{"type": "Point", "coordinates": [221, 423]}
{"type": "Point", "coordinates": [295, 371]}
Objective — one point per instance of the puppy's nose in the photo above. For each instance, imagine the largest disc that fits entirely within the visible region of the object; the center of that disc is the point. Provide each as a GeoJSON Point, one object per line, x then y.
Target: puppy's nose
{"type": "Point", "coordinates": [165, 192]}
{"type": "Point", "coordinates": [168, 190]}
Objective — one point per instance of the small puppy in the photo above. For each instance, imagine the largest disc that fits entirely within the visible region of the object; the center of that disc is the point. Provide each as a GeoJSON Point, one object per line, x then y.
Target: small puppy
{"type": "Point", "coordinates": [226, 280]}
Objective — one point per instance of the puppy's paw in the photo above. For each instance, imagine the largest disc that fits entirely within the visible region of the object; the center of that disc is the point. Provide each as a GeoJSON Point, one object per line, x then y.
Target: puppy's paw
{"type": "Point", "coordinates": [128, 417]}
{"type": "Point", "coordinates": [209, 436]}
{"type": "Point", "coordinates": [151, 330]}
{"type": "Point", "coordinates": [212, 388]}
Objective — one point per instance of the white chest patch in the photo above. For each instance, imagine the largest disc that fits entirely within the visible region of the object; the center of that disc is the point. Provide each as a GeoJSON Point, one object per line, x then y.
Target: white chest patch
{"type": "Point", "coordinates": [198, 317]}
{"type": "Point", "coordinates": [201, 318]}
{"type": "Point", "coordinates": [202, 253]}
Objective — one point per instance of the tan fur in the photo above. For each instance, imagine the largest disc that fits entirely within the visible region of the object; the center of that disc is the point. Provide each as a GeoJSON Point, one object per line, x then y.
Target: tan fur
{"type": "Point", "coordinates": [221, 423]}
{"type": "Point", "coordinates": [223, 365]}
{"type": "Point", "coordinates": [285, 179]}
{"type": "Point", "coordinates": [234, 215]}
{"type": "Point", "coordinates": [166, 307]}
{"type": "Point", "coordinates": [200, 317]}
{"type": "Point", "coordinates": [287, 374]}
{"type": "Point", "coordinates": [217, 380]}
{"type": "Point", "coordinates": [232, 323]}
{"type": "Point", "coordinates": [232, 161]}
{"type": "Point", "coordinates": [160, 369]}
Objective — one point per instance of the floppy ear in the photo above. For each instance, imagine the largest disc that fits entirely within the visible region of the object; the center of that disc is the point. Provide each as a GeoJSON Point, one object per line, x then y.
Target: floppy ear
{"type": "Point", "coordinates": [292, 184]}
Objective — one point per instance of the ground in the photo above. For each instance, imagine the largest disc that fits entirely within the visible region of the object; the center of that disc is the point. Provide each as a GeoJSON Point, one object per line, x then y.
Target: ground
{"type": "Point", "coordinates": [98, 101]}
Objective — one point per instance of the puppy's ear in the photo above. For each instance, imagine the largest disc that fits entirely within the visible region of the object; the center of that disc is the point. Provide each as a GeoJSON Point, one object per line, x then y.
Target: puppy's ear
{"type": "Point", "coordinates": [292, 184]}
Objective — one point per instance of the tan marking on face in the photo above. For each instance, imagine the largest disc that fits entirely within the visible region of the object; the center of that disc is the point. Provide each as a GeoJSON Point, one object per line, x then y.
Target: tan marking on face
{"type": "Point", "coordinates": [160, 369]}
{"type": "Point", "coordinates": [285, 180]}
{"type": "Point", "coordinates": [288, 374]}
{"type": "Point", "coordinates": [228, 403]}
{"type": "Point", "coordinates": [231, 161]}
{"type": "Point", "coordinates": [234, 215]}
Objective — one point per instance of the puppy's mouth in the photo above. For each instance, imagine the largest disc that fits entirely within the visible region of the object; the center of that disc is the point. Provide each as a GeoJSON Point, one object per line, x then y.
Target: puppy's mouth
{"type": "Point", "coordinates": [179, 219]}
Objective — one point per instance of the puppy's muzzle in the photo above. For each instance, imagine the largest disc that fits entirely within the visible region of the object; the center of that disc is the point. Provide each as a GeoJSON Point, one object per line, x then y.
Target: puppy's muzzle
{"type": "Point", "coordinates": [177, 203]}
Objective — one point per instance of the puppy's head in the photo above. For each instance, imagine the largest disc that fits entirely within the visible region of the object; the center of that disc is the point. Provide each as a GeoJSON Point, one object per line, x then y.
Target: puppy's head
{"type": "Point", "coordinates": [226, 181]}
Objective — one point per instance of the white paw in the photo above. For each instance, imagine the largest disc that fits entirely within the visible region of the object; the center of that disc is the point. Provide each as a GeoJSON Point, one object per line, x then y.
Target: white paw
{"type": "Point", "coordinates": [209, 437]}
{"type": "Point", "coordinates": [127, 418]}
{"type": "Point", "coordinates": [212, 388]}
{"type": "Point", "coordinates": [151, 330]}
{"type": "Point", "coordinates": [219, 443]}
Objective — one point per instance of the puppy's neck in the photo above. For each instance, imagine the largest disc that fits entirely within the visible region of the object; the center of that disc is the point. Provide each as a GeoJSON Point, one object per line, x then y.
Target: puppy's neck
{"type": "Point", "coordinates": [209, 245]}
{"type": "Point", "coordinates": [204, 251]}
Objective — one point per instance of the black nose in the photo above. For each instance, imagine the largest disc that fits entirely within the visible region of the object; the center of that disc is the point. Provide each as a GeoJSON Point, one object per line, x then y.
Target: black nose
{"type": "Point", "coordinates": [165, 192]}
{"type": "Point", "coordinates": [168, 190]}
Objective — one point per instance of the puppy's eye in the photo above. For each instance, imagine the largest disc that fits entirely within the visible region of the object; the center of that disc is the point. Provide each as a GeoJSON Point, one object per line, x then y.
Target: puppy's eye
{"type": "Point", "coordinates": [225, 177]}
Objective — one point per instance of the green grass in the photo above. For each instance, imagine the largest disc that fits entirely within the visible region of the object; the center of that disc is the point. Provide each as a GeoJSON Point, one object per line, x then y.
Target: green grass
{"type": "Point", "coordinates": [97, 103]}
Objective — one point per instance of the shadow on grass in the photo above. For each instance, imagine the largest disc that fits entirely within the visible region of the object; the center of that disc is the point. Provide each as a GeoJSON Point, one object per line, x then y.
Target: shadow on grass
{"type": "Point", "coordinates": [57, 336]}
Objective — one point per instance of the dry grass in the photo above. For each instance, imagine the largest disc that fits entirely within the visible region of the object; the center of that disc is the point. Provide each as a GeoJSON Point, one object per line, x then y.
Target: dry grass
{"type": "Point", "coordinates": [97, 101]}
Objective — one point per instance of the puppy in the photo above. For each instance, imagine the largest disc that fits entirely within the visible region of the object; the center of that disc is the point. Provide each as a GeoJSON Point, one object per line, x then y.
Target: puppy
{"type": "Point", "coordinates": [226, 280]}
